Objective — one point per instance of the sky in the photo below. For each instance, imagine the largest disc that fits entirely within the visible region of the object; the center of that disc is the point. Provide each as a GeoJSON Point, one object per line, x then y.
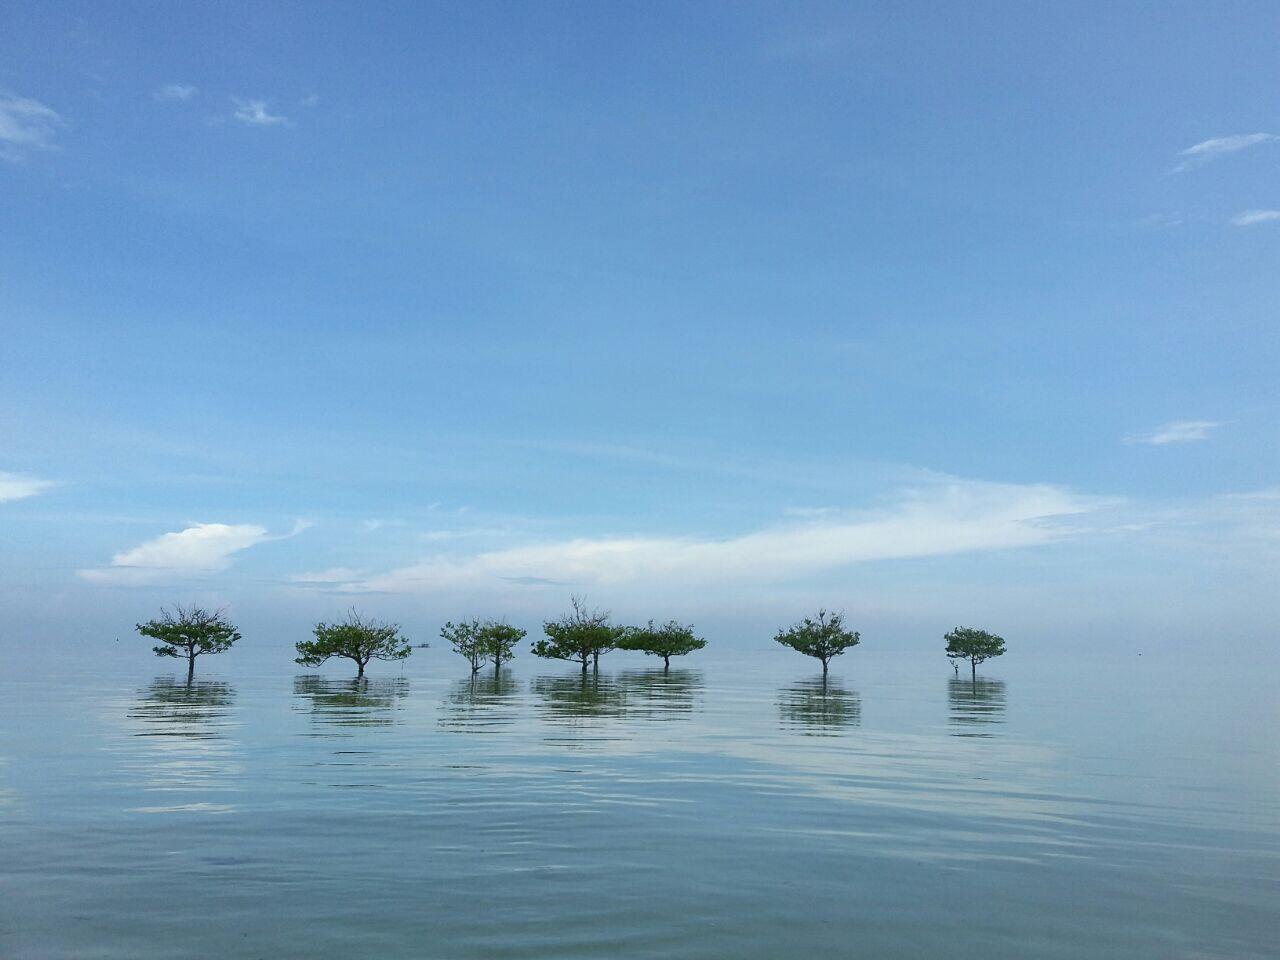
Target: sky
{"type": "Point", "coordinates": [935, 314]}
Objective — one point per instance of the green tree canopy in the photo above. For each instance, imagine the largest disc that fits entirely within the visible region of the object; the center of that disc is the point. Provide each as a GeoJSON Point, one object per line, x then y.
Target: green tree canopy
{"type": "Point", "coordinates": [672, 639]}
{"type": "Point", "coordinates": [190, 632]}
{"type": "Point", "coordinates": [579, 636]}
{"type": "Point", "coordinates": [823, 637]}
{"type": "Point", "coordinates": [354, 638]}
{"type": "Point", "coordinates": [966, 643]}
{"type": "Point", "coordinates": [464, 638]}
{"type": "Point", "coordinates": [482, 641]}
{"type": "Point", "coordinates": [499, 641]}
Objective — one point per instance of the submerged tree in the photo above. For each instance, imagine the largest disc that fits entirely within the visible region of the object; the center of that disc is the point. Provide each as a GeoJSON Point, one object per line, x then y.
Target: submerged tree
{"type": "Point", "coordinates": [672, 639]}
{"type": "Point", "coordinates": [498, 641]}
{"type": "Point", "coordinates": [482, 641]}
{"type": "Point", "coordinates": [464, 638]}
{"type": "Point", "coordinates": [966, 643]}
{"type": "Point", "coordinates": [823, 637]}
{"type": "Point", "coordinates": [579, 636]}
{"type": "Point", "coordinates": [354, 638]}
{"type": "Point", "coordinates": [190, 632]}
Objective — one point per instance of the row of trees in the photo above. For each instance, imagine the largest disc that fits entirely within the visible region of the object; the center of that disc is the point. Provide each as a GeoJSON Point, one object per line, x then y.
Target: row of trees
{"type": "Point", "coordinates": [580, 636]}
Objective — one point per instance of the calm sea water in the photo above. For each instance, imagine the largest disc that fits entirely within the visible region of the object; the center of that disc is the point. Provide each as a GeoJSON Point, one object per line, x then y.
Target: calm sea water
{"type": "Point", "coordinates": [734, 808]}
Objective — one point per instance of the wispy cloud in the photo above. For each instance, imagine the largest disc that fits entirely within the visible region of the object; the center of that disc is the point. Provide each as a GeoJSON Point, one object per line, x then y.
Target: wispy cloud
{"type": "Point", "coordinates": [26, 126]}
{"type": "Point", "coordinates": [946, 518]}
{"type": "Point", "coordinates": [255, 113]}
{"type": "Point", "coordinates": [329, 577]}
{"type": "Point", "coordinates": [1248, 218]}
{"type": "Point", "coordinates": [14, 486]}
{"type": "Point", "coordinates": [1207, 151]}
{"type": "Point", "coordinates": [1161, 221]}
{"type": "Point", "coordinates": [1176, 431]}
{"type": "Point", "coordinates": [200, 549]}
{"type": "Point", "coordinates": [176, 91]}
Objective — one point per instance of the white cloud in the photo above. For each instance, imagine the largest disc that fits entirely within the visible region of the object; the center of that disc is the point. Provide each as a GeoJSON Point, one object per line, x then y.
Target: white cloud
{"type": "Point", "coordinates": [946, 518]}
{"type": "Point", "coordinates": [26, 126]}
{"type": "Point", "coordinates": [1249, 217]}
{"type": "Point", "coordinates": [333, 575]}
{"type": "Point", "coordinates": [1177, 431]}
{"type": "Point", "coordinates": [255, 114]}
{"type": "Point", "coordinates": [199, 549]}
{"type": "Point", "coordinates": [1208, 150]}
{"type": "Point", "coordinates": [176, 91]}
{"type": "Point", "coordinates": [310, 100]}
{"type": "Point", "coordinates": [14, 486]}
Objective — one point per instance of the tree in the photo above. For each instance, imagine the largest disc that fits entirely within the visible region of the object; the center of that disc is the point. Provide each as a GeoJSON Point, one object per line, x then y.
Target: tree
{"type": "Point", "coordinates": [465, 639]}
{"type": "Point", "coordinates": [190, 632]}
{"type": "Point", "coordinates": [483, 640]}
{"type": "Point", "coordinates": [822, 637]}
{"type": "Point", "coordinates": [356, 639]}
{"type": "Point", "coordinates": [966, 643]}
{"type": "Point", "coordinates": [672, 639]}
{"type": "Point", "coordinates": [579, 636]}
{"type": "Point", "coordinates": [499, 641]}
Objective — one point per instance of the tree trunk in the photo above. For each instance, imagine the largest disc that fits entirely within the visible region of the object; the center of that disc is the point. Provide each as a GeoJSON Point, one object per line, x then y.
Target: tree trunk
{"type": "Point", "coordinates": [824, 668]}
{"type": "Point", "coordinates": [359, 669]}
{"type": "Point", "coordinates": [666, 664]}
{"type": "Point", "coordinates": [191, 666]}
{"type": "Point", "coordinates": [497, 667]}
{"type": "Point", "coordinates": [584, 666]}
{"type": "Point", "coordinates": [596, 661]}
{"type": "Point", "coordinates": [973, 665]}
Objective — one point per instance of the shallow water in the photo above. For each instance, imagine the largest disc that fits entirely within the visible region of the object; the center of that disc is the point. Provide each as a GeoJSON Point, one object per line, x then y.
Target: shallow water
{"type": "Point", "coordinates": [735, 807]}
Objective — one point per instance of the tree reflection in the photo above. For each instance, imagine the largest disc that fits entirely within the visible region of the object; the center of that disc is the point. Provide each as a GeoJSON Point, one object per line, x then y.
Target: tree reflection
{"type": "Point", "coordinates": [589, 696]}
{"type": "Point", "coordinates": [192, 709]}
{"type": "Point", "coordinates": [351, 702]}
{"type": "Point", "coordinates": [481, 703]}
{"type": "Point", "coordinates": [660, 694]}
{"type": "Point", "coordinates": [629, 694]}
{"type": "Point", "coordinates": [975, 705]}
{"type": "Point", "coordinates": [819, 706]}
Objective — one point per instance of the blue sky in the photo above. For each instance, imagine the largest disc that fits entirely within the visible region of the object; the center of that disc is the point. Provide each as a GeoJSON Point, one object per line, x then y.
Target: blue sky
{"type": "Point", "coordinates": [718, 311]}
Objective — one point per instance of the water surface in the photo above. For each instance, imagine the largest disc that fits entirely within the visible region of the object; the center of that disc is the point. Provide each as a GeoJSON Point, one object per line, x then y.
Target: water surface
{"type": "Point", "coordinates": [737, 806]}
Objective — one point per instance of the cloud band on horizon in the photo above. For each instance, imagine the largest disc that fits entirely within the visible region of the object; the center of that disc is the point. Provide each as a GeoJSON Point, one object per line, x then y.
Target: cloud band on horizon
{"type": "Point", "coordinates": [947, 518]}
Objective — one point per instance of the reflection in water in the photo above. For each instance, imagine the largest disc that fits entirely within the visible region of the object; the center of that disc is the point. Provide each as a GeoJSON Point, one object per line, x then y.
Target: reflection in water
{"type": "Point", "coordinates": [189, 762]}
{"type": "Point", "coordinates": [631, 694]}
{"type": "Point", "coordinates": [189, 709]}
{"type": "Point", "coordinates": [819, 707]}
{"type": "Point", "coordinates": [483, 703]}
{"type": "Point", "coordinates": [975, 704]}
{"type": "Point", "coordinates": [351, 702]}
{"type": "Point", "coordinates": [660, 694]}
{"type": "Point", "coordinates": [586, 697]}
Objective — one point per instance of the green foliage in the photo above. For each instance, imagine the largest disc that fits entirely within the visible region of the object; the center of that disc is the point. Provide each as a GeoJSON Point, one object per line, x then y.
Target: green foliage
{"type": "Point", "coordinates": [190, 632]}
{"type": "Point", "coordinates": [483, 640]}
{"type": "Point", "coordinates": [579, 636]}
{"type": "Point", "coordinates": [966, 643]}
{"type": "Point", "coordinates": [464, 638]}
{"type": "Point", "coordinates": [499, 641]}
{"type": "Point", "coordinates": [823, 637]}
{"type": "Point", "coordinates": [354, 638]}
{"type": "Point", "coordinates": [672, 639]}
